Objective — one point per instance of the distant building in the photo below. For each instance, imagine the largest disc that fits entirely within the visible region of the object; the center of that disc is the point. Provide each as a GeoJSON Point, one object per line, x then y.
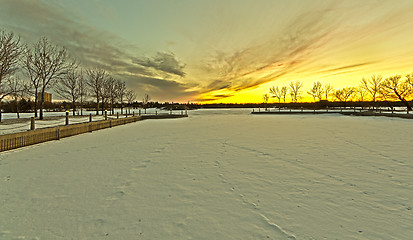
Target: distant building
{"type": "Point", "coordinates": [47, 97]}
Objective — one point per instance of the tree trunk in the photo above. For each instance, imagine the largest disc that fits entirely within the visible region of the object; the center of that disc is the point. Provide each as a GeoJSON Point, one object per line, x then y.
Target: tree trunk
{"type": "Point", "coordinates": [97, 105]}
{"type": "Point", "coordinates": [41, 107]}
{"type": "Point", "coordinates": [74, 107]}
{"type": "Point", "coordinates": [35, 103]}
{"type": "Point", "coordinates": [17, 108]}
{"type": "Point", "coordinates": [111, 106]}
{"type": "Point", "coordinates": [406, 103]}
{"type": "Point", "coordinates": [81, 106]}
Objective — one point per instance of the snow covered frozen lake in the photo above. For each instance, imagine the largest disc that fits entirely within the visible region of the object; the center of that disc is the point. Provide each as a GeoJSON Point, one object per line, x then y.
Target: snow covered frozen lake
{"type": "Point", "coordinates": [218, 174]}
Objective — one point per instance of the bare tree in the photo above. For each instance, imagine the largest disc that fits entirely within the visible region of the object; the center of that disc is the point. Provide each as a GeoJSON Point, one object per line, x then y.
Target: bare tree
{"type": "Point", "coordinates": [328, 90]}
{"type": "Point", "coordinates": [397, 89]}
{"type": "Point", "coordinates": [110, 91]}
{"type": "Point", "coordinates": [265, 97]}
{"type": "Point", "coordinates": [284, 91]}
{"type": "Point", "coordinates": [130, 97]}
{"type": "Point", "coordinates": [316, 91]}
{"type": "Point", "coordinates": [49, 63]}
{"type": "Point", "coordinates": [295, 91]}
{"type": "Point", "coordinates": [10, 52]}
{"type": "Point", "coordinates": [95, 81]}
{"type": "Point", "coordinates": [344, 94]}
{"type": "Point", "coordinates": [68, 87]}
{"type": "Point", "coordinates": [409, 80]}
{"type": "Point", "coordinates": [276, 93]}
{"type": "Point", "coordinates": [145, 100]}
{"type": "Point", "coordinates": [30, 71]}
{"type": "Point", "coordinates": [121, 93]}
{"type": "Point", "coordinates": [372, 86]}
{"type": "Point", "coordinates": [83, 90]}
{"type": "Point", "coordinates": [361, 92]}
{"type": "Point", "coordinates": [18, 89]}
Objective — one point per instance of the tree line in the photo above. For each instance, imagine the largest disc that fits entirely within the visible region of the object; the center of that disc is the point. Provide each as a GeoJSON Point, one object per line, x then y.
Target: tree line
{"type": "Point", "coordinates": [375, 88]}
{"type": "Point", "coordinates": [28, 71]}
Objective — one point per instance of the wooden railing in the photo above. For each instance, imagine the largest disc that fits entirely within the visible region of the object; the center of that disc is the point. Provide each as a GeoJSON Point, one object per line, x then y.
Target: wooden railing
{"type": "Point", "coordinates": [22, 139]}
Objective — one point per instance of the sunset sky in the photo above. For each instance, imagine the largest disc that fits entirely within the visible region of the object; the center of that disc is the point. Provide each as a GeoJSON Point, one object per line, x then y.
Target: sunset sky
{"type": "Point", "coordinates": [223, 50]}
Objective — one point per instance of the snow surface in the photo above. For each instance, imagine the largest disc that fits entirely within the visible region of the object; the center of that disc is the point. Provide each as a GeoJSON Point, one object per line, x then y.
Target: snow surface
{"type": "Point", "coordinates": [219, 174]}
{"type": "Point", "coordinates": [23, 124]}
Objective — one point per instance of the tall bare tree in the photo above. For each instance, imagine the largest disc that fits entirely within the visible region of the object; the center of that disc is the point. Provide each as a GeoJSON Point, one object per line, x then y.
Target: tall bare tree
{"type": "Point", "coordinates": [83, 90]}
{"type": "Point", "coordinates": [316, 91]}
{"type": "Point", "coordinates": [276, 93]}
{"type": "Point", "coordinates": [328, 90]}
{"type": "Point", "coordinates": [361, 92]}
{"type": "Point", "coordinates": [130, 97]}
{"type": "Point", "coordinates": [295, 91]}
{"type": "Point", "coordinates": [397, 89]}
{"type": "Point", "coordinates": [344, 94]}
{"type": "Point", "coordinates": [95, 81]}
{"type": "Point", "coordinates": [409, 80]}
{"type": "Point", "coordinates": [145, 100]}
{"type": "Point", "coordinates": [18, 89]}
{"type": "Point", "coordinates": [30, 71]}
{"type": "Point", "coordinates": [68, 87]}
{"type": "Point", "coordinates": [266, 97]}
{"type": "Point", "coordinates": [49, 63]}
{"type": "Point", "coordinates": [284, 91]}
{"type": "Point", "coordinates": [110, 91]}
{"type": "Point", "coordinates": [372, 86]}
{"type": "Point", "coordinates": [10, 52]}
{"type": "Point", "coordinates": [121, 93]}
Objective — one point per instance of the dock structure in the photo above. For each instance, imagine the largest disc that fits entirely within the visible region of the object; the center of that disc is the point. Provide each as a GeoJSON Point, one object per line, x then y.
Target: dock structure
{"type": "Point", "coordinates": [354, 112]}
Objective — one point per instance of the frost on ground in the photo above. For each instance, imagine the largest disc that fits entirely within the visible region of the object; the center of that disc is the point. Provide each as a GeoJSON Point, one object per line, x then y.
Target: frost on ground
{"type": "Point", "coordinates": [219, 174]}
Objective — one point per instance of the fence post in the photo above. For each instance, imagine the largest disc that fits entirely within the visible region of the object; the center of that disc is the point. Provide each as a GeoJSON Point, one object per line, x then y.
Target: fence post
{"type": "Point", "coordinates": [156, 112]}
{"type": "Point", "coordinates": [170, 111]}
{"type": "Point", "coordinates": [32, 123]}
{"type": "Point", "coordinates": [117, 115]}
{"type": "Point", "coordinates": [133, 113]}
{"type": "Point", "coordinates": [90, 117]}
{"type": "Point", "coordinates": [58, 133]}
{"type": "Point", "coordinates": [126, 114]}
{"type": "Point", "coordinates": [139, 112]}
{"type": "Point", "coordinates": [182, 112]}
{"type": "Point", "coordinates": [186, 111]}
{"type": "Point", "coordinates": [67, 117]}
{"type": "Point", "coordinates": [106, 114]}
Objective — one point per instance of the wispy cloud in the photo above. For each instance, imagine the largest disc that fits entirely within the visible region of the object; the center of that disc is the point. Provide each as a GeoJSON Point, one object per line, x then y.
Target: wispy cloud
{"type": "Point", "coordinates": [165, 62]}
{"type": "Point", "coordinates": [93, 47]}
{"type": "Point", "coordinates": [320, 38]}
{"type": "Point", "coordinates": [310, 37]}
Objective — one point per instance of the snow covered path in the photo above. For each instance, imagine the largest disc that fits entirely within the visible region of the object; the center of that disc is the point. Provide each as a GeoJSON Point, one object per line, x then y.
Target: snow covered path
{"type": "Point", "coordinates": [219, 174]}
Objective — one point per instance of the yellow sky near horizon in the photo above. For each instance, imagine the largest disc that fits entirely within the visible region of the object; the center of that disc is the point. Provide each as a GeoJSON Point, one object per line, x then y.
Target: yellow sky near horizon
{"type": "Point", "coordinates": [227, 51]}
